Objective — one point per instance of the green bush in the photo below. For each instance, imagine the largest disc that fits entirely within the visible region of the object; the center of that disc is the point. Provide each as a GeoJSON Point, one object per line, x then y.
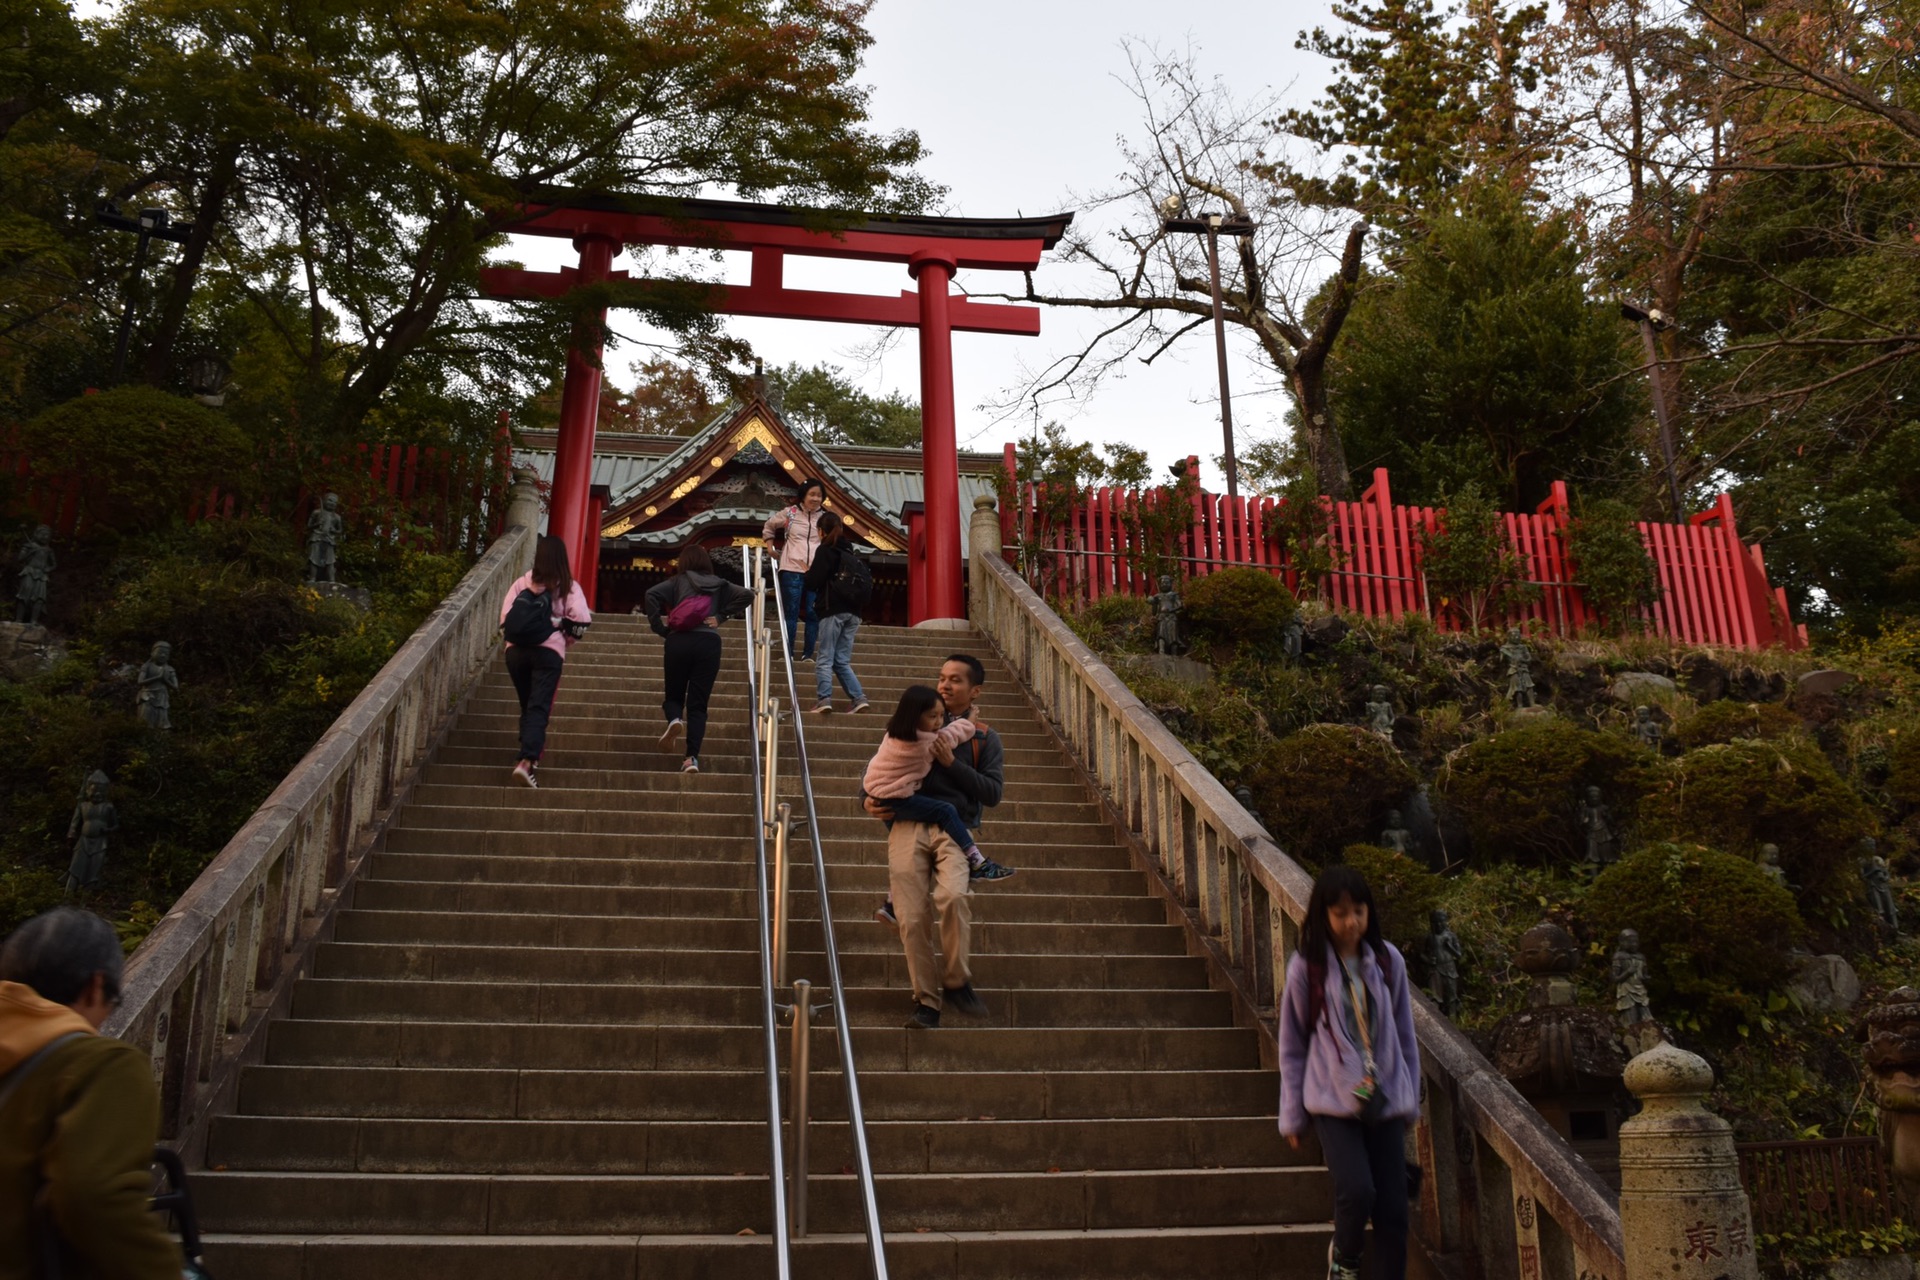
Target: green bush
{"type": "Point", "coordinates": [1518, 790]}
{"type": "Point", "coordinates": [1115, 624]}
{"type": "Point", "coordinates": [1245, 608]}
{"type": "Point", "coordinates": [1731, 721]}
{"type": "Point", "coordinates": [142, 456]}
{"type": "Point", "coordinates": [1405, 892]}
{"type": "Point", "coordinates": [1741, 795]}
{"type": "Point", "coordinates": [1714, 927]}
{"type": "Point", "coordinates": [1328, 786]}
{"type": "Point", "coordinates": [1610, 562]}
{"type": "Point", "coordinates": [1222, 728]}
{"type": "Point", "coordinates": [1903, 767]}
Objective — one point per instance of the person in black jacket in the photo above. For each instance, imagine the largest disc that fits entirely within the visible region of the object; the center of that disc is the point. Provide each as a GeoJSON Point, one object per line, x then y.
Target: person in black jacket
{"type": "Point", "coordinates": [839, 619]}
{"type": "Point", "coordinates": [674, 610]}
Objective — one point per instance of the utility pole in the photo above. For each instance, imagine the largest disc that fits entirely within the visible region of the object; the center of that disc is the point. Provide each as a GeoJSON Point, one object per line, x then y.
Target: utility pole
{"type": "Point", "coordinates": [149, 225]}
{"type": "Point", "coordinates": [1213, 226]}
{"type": "Point", "coordinates": [1652, 320]}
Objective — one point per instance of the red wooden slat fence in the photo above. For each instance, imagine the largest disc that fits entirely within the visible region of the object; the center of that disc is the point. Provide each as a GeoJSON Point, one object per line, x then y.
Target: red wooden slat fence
{"type": "Point", "coordinates": [1713, 586]}
{"type": "Point", "coordinates": [1802, 1188]}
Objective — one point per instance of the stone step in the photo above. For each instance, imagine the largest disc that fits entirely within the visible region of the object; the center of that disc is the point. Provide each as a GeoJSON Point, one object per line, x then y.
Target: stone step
{"type": "Point", "coordinates": [501, 1094]}
{"type": "Point", "coordinates": [1062, 787]}
{"type": "Point", "coordinates": [382, 999]}
{"type": "Point", "coordinates": [1267, 1249]}
{"type": "Point", "coordinates": [533, 1204]}
{"type": "Point", "coordinates": [484, 803]}
{"type": "Point", "coordinates": [559, 1046]}
{"type": "Point", "coordinates": [578, 768]}
{"type": "Point", "coordinates": [856, 846]}
{"type": "Point", "coordinates": [343, 1144]}
{"type": "Point", "coordinates": [560, 823]}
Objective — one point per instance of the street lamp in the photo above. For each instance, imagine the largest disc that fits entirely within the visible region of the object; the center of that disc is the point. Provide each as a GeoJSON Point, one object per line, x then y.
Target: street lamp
{"type": "Point", "coordinates": [1652, 320]}
{"type": "Point", "coordinates": [1213, 226]}
{"type": "Point", "coordinates": [148, 224]}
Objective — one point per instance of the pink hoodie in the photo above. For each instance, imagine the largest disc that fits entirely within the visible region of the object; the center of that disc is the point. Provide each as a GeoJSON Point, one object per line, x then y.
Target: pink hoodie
{"type": "Point", "coordinates": [574, 607]}
{"type": "Point", "coordinates": [898, 768]}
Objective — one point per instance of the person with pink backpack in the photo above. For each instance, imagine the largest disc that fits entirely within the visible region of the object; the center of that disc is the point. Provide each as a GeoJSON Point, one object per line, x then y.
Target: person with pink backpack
{"type": "Point", "coordinates": [544, 614]}
{"type": "Point", "coordinates": [687, 610]}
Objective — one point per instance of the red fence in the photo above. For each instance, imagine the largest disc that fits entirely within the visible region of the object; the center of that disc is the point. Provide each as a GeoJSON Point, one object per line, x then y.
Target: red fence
{"type": "Point", "coordinates": [1713, 587]}
{"type": "Point", "coordinates": [1802, 1188]}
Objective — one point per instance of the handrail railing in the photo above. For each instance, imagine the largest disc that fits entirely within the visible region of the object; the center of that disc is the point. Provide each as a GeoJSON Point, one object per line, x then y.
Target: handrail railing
{"type": "Point", "coordinates": [205, 980]}
{"type": "Point", "coordinates": [1503, 1185]}
{"type": "Point", "coordinates": [769, 1021]}
{"type": "Point", "coordinates": [850, 1079]}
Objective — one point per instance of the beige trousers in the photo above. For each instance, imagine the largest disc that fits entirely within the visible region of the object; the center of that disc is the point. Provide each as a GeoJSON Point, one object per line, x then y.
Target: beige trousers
{"type": "Point", "coordinates": [928, 873]}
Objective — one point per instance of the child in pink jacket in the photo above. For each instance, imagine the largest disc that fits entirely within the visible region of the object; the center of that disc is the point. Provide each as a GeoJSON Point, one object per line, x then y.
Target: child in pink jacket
{"type": "Point", "coordinates": [905, 758]}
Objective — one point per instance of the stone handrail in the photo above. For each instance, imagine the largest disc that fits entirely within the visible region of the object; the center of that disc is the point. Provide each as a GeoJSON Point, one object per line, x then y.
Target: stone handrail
{"type": "Point", "coordinates": [1502, 1186]}
{"type": "Point", "coordinates": [205, 980]}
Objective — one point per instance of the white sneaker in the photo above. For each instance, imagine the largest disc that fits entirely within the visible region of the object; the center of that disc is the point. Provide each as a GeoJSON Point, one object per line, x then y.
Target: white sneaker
{"type": "Point", "coordinates": [672, 734]}
{"type": "Point", "coordinates": [690, 765]}
{"type": "Point", "coordinates": [823, 707]}
{"type": "Point", "coordinates": [523, 771]}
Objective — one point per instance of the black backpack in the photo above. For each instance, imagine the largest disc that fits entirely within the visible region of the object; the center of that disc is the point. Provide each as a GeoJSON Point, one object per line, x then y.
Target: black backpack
{"type": "Point", "coordinates": [530, 619]}
{"type": "Point", "coordinates": [852, 582]}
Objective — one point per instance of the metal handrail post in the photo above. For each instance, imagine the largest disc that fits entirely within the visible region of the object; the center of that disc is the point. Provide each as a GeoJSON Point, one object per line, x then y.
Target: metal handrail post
{"type": "Point", "coordinates": [782, 893]}
{"type": "Point", "coordinates": [799, 1075]}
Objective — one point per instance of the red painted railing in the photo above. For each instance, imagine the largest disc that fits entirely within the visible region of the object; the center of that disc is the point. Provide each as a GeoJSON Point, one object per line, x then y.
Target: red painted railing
{"type": "Point", "coordinates": [1713, 587]}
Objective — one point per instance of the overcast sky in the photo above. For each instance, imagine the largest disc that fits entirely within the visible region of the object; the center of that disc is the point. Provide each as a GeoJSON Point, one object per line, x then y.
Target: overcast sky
{"type": "Point", "coordinates": [1019, 105]}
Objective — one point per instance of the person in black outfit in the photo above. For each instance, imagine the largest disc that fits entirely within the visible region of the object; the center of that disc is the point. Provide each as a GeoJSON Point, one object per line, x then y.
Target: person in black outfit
{"type": "Point", "coordinates": [693, 647]}
{"type": "Point", "coordinates": [839, 619]}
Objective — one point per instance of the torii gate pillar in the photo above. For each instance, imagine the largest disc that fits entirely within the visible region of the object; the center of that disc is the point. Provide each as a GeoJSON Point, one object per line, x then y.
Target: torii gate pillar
{"type": "Point", "coordinates": [946, 600]}
{"type": "Point", "coordinates": [570, 514]}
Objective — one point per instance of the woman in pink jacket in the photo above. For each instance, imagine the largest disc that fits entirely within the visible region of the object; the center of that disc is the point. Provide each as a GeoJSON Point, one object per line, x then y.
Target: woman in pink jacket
{"type": "Point", "coordinates": [534, 663]}
{"type": "Point", "coordinates": [802, 525]}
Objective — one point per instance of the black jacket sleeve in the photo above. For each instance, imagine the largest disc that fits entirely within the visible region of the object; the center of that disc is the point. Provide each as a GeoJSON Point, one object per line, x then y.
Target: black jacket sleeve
{"type": "Point", "coordinates": [985, 782]}
{"type": "Point", "coordinates": [660, 599]}
{"type": "Point", "coordinates": [734, 603]}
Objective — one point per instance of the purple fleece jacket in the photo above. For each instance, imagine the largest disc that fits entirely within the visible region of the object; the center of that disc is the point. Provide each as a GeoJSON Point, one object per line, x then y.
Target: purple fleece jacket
{"type": "Point", "coordinates": [1319, 1067]}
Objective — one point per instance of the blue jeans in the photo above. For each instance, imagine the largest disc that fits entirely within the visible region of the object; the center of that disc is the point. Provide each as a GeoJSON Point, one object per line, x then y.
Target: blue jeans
{"type": "Point", "coordinates": [793, 590]}
{"type": "Point", "coordinates": [919, 808]}
{"type": "Point", "coordinates": [833, 656]}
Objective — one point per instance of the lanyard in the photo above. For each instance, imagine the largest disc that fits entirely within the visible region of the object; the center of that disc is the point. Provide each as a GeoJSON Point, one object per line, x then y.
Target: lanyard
{"type": "Point", "coordinates": [1357, 995]}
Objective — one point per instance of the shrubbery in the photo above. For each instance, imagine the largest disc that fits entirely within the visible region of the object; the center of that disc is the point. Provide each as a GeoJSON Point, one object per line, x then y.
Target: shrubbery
{"type": "Point", "coordinates": [1714, 927]}
{"type": "Point", "coordinates": [1242, 608]}
{"type": "Point", "coordinates": [1328, 786]}
{"type": "Point", "coordinates": [1730, 721]}
{"type": "Point", "coordinates": [1115, 624]}
{"type": "Point", "coordinates": [1518, 790]}
{"type": "Point", "coordinates": [1405, 892]}
{"type": "Point", "coordinates": [1741, 795]}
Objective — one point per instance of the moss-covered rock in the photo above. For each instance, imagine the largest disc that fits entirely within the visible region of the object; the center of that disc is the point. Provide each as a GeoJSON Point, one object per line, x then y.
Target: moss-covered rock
{"type": "Point", "coordinates": [1328, 786]}
{"type": "Point", "coordinates": [1245, 609]}
{"type": "Point", "coordinates": [1715, 928]}
{"type": "Point", "coordinates": [1405, 892]}
{"type": "Point", "coordinates": [1731, 721]}
{"type": "Point", "coordinates": [1518, 790]}
{"type": "Point", "coordinates": [1741, 795]}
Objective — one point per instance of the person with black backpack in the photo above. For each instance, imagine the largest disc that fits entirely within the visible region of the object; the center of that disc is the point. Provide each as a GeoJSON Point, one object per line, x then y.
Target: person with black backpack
{"type": "Point", "coordinates": [841, 584]}
{"type": "Point", "coordinates": [687, 609]}
{"type": "Point", "coordinates": [545, 613]}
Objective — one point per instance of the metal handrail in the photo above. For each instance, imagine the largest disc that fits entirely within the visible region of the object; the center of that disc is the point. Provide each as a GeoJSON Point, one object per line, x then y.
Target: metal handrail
{"type": "Point", "coordinates": [769, 1022]}
{"type": "Point", "coordinates": [856, 1116]}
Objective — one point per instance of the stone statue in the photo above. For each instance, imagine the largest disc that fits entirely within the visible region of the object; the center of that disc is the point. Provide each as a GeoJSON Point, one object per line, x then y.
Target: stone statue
{"type": "Point", "coordinates": [1519, 656]}
{"type": "Point", "coordinates": [1874, 870]}
{"type": "Point", "coordinates": [157, 683]}
{"type": "Point", "coordinates": [1380, 712]}
{"type": "Point", "coordinates": [1291, 637]}
{"type": "Point", "coordinates": [1892, 1059]}
{"type": "Point", "coordinates": [1396, 837]}
{"type": "Point", "coordinates": [1630, 981]}
{"type": "Point", "coordinates": [1646, 730]}
{"type": "Point", "coordinates": [36, 567]}
{"type": "Point", "coordinates": [94, 819]}
{"type": "Point", "coordinates": [324, 527]}
{"type": "Point", "coordinates": [1166, 626]}
{"type": "Point", "coordinates": [1443, 952]}
{"type": "Point", "coordinates": [1770, 865]}
{"type": "Point", "coordinates": [1595, 817]}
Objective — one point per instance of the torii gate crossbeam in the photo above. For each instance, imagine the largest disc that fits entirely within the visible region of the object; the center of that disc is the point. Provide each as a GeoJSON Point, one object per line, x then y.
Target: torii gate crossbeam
{"type": "Point", "coordinates": [932, 249]}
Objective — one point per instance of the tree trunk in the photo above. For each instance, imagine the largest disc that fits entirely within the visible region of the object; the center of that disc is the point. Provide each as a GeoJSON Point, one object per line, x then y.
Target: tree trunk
{"type": "Point", "coordinates": [173, 311]}
{"type": "Point", "coordinates": [1318, 434]}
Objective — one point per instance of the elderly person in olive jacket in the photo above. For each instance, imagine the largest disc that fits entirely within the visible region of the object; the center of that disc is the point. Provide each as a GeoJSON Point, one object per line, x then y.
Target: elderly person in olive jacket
{"type": "Point", "coordinates": [78, 1112]}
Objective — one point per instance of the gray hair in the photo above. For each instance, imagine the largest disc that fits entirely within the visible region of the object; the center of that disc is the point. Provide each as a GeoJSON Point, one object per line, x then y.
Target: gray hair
{"type": "Point", "coordinates": [58, 952]}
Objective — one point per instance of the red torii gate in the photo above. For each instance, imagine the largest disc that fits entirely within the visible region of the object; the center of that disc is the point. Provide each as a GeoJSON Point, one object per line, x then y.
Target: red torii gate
{"type": "Point", "coordinates": [931, 248]}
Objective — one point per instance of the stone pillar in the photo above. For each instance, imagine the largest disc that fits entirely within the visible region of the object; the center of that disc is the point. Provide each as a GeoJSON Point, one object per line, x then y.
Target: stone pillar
{"type": "Point", "coordinates": [1683, 1215]}
{"type": "Point", "coordinates": [523, 500]}
{"type": "Point", "coordinates": [983, 533]}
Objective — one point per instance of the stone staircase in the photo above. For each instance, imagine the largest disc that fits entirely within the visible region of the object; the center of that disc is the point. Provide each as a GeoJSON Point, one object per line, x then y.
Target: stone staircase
{"type": "Point", "coordinates": [533, 1046]}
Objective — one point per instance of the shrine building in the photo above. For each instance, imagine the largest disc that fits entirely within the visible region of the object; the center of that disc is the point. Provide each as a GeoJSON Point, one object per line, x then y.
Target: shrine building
{"type": "Point", "coordinates": [652, 495]}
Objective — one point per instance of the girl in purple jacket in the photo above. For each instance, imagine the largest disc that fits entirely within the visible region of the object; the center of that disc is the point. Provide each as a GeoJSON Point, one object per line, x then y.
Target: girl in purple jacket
{"type": "Point", "coordinates": [1349, 1062]}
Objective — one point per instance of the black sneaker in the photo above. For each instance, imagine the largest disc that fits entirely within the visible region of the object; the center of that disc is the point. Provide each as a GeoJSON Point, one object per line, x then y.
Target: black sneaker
{"type": "Point", "coordinates": [884, 914]}
{"type": "Point", "coordinates": [966, 1000]}
{"type": "Point", "coordinates": [989, 870]}
{"type": "Point", "coordinates": [923, 1019]}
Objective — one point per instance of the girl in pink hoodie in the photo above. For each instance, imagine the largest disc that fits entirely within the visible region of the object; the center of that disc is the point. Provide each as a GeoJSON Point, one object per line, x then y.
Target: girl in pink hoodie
{"type": "Point", "coordinates": [905, 758]}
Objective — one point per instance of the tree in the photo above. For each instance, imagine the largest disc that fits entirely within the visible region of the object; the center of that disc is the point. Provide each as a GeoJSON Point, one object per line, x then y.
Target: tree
{"type": "Point", "coordinates": [1468, 563]}
{"type": "Point", "coordinates": [825, 404]}
{"type": "Point", "coordinates": [1204, 150]}
{"type": "Point", "coordinates": [1483, 358]}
